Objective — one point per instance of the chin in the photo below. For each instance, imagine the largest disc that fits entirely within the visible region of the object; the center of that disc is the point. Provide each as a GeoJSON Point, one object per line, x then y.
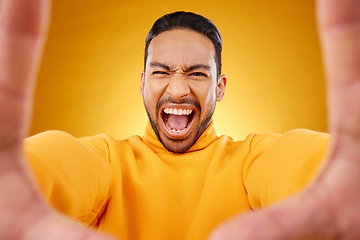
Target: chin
{"type": "Point", "coordinates": [177, 145]}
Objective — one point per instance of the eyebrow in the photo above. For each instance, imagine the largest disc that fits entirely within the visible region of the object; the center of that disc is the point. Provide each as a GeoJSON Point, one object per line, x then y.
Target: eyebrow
{"type": "Point", "coordinates": [197, 66]}
{"type": "Point", "coordinates": [157, 64]}
{"type": "Point", "coordinates": [188, 69]}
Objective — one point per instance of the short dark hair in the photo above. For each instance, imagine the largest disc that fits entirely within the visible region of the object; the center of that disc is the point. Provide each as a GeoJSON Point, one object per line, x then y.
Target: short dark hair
{"type": "Point", "coordinates": [187, 20]}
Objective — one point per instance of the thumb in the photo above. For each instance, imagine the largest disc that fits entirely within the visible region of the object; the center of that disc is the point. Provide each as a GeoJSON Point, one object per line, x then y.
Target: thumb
{"type": "Point", "coordinates": [291, 219]}
{"type": "Point", "coordinates": [55, 226]}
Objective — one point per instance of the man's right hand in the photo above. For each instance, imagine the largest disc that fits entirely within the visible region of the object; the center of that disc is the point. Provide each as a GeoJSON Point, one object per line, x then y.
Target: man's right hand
{"type": "Point", "coordinates": [24, 214]}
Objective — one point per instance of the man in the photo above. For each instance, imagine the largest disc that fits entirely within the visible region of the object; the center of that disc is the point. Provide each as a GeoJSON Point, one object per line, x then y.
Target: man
{"type": "Point", "coordinates": [180, 84]}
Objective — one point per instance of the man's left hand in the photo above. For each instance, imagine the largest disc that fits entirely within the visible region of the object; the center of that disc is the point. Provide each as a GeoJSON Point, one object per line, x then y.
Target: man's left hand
{"type": "Point", "coordinates": [329, 208]}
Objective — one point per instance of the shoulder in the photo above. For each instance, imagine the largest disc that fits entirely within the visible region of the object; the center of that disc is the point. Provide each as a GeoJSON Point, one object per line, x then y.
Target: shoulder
{"type": "Point", "coordinates": [289, 139]}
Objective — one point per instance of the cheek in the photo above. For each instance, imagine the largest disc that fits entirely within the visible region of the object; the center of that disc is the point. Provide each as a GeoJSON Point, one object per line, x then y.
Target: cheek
{"type": "Point", "coordinates": [153, 91]}
{"type": "Point", "coordinates": [211, 96]}
{"type": "Point", "coordinates": [210, 102]}
{"type": "Point", "coordinates": [207, 97]}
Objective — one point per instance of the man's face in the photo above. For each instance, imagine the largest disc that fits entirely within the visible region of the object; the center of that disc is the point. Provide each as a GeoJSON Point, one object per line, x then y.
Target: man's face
{"type": "Point", "coordinates": [180, 87]}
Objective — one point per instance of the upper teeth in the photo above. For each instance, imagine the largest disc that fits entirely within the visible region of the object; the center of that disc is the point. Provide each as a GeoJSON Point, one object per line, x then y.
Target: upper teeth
{"type": "Point", "coordinates": [177, 111]}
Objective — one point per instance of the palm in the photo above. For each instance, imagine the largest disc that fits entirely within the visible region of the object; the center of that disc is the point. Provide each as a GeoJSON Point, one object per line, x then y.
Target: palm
{"type": "Point", "coordinates": [329, 207]}
{"type": "Point", "coordinates": [24, 215]}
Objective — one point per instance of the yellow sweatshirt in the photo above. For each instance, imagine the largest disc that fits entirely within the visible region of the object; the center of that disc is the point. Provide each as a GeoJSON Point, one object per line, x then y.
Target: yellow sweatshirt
{"type": "Point", "coordinates": [137, 190]}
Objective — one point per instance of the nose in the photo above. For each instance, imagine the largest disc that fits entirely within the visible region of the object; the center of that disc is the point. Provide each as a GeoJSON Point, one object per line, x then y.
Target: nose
{"type": "Point", "coordinates": [178, 87]}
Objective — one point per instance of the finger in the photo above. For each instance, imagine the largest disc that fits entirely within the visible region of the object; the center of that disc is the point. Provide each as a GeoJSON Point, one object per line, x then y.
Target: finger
{"type": "Point", "coordinates": [292, 219]}
{"type": "Point", "coordinates": [339, 28]}
{"type": "Point", "coordinates": [57, 227]}
{"type": "Point", "coordinates": [22, 32]}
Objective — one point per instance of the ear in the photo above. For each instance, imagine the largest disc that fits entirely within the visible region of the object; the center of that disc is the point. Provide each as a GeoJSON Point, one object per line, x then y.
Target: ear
{"type": "Point", "coordinates": [142, 82]}
{"type": "Point", "coordinates": [220, 88]}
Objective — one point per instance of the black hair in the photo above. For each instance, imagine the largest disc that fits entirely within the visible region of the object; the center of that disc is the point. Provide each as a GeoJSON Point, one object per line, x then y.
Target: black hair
{"type": "Point", "coordinates": [187, 20]}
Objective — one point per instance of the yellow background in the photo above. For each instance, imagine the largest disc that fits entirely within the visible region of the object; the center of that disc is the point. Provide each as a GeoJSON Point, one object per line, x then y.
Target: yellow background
{"type": "Point", "coordinates": [89, 79]}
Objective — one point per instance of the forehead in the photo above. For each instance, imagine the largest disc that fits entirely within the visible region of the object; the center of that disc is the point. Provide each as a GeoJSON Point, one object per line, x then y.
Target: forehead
{"type": "Point", "coordinates": [181, 47]}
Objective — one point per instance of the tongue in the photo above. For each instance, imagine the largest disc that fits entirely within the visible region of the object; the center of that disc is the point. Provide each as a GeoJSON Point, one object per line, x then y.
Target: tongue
{"type": "Point", "coordinates": [177, 122]}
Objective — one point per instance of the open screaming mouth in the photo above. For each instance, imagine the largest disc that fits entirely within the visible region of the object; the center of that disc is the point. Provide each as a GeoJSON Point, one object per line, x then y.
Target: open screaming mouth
{"type": "Point", "coordinates": [177, 120]}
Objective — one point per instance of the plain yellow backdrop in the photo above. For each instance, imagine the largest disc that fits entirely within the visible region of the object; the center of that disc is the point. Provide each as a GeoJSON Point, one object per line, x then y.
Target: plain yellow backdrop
{"type": "Point", "coordinates": [90, 75]}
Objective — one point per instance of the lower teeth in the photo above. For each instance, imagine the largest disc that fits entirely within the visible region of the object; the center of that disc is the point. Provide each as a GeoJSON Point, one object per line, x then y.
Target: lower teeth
{"type": "Point", "coordinates": [177, 131]}
{"type": "Point", "coordinates": [174, 130]}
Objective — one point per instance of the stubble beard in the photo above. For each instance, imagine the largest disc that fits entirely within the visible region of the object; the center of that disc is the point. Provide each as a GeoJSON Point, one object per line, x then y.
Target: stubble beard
{"type": "Point", "coordinates": [173, 145]}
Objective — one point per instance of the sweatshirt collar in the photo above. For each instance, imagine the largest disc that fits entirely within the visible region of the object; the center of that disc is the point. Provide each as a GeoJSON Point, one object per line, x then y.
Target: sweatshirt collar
{"type": "Point", "coordinates": [206, 138]}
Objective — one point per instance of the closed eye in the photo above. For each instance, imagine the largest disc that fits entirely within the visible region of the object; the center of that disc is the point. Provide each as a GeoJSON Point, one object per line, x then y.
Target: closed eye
{"type": "Point", "coordinates": [160, 72]}
{"type": "Point", "coordinates": [198, 74]}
